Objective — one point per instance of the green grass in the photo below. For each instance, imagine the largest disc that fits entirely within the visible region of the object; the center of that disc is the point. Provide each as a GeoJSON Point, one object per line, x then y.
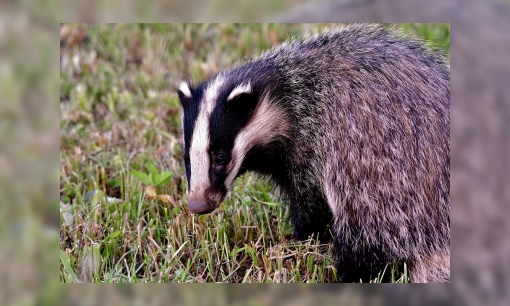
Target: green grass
{"type": "Point", "coordinates": [122, 183]}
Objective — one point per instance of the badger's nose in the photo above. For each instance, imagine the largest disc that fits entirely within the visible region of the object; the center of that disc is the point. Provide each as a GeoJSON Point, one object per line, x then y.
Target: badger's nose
{"type": "Point", "coordinates": [199, 207]}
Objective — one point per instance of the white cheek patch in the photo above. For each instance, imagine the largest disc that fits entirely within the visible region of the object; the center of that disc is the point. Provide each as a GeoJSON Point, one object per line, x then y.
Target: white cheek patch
{"type": "Point", "coordinates": [184, 88]}
{"type": "Point", "coordinates": [199, 157]}
{"type": "Point", "coordinates": [240, 89]}
{"type": "Point", "coordinates": [268, 123]}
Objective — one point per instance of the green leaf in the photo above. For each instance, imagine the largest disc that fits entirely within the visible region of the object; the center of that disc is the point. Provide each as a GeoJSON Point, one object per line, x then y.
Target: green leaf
{"type": "Point", "coordinates": [153, 173]}
{"type": "Point", "coordinates": [113, 235]}
{"type": "Point", "coordinates": [164, 178]}
{"type": "Point", "coordinates": [237, 251]}
{"type": "Point", "coordinates": [113, 183]}
{"type": "Point", "coordinates": [67, 266]}
{"type": "Point", "coordinates": [142, 177]}
{"type": "Point", "coordinates": [90, 195]}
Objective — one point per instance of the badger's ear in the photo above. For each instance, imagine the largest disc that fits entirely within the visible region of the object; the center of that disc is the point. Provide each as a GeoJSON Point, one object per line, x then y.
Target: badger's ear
{"type": "Point", "coordinates": [243, 98]}
{"type": "Point", "coordinates": [185, 92]}
{"type": "Point", "coordinates": [242, 89]}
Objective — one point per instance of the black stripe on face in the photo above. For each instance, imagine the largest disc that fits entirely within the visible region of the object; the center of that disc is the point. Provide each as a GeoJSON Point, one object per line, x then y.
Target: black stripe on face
{"type": "Point", "coordinates": [190, 109]}
{"type": "Point", "coordinates": [227, 120]}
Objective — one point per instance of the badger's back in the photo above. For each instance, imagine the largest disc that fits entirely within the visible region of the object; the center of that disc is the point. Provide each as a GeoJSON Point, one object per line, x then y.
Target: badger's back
{"type": "Point", "coordinates": [374, 109]}
{"type": "Point", "coordinates": [370, 115]}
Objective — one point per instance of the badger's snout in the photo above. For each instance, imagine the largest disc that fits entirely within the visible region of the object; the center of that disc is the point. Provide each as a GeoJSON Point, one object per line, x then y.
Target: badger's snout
{"type": "Point", "coordinates": [200, 207]}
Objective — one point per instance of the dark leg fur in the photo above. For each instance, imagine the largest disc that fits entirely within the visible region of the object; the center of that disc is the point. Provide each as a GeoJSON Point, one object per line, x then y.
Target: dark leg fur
{"type": "Point", "coordinates": [310, 217]}
{"type": "Point", "coordinates": [313, 218]}
{"type": "Point", "coordinates": [353, 267]}
{"type": "Point", "coordinates": [315, 226]}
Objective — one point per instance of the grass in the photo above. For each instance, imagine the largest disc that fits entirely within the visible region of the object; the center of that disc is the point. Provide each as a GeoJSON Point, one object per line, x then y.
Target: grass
{"type": "Point", "coordinates": [122, 183]}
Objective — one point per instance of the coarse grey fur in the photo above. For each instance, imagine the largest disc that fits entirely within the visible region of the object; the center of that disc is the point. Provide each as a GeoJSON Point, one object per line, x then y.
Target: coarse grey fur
{"type": "Point", "coordinates": [361, 142]}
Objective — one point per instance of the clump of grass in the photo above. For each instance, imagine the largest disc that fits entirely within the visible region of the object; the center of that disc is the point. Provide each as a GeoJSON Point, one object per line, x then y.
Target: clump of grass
{"type": "Point", "coordinates": [122, 182]}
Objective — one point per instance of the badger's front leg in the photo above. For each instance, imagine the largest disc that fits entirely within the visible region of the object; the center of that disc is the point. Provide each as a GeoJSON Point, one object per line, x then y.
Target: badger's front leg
{"type": "Point", "coordinates": [313, 218]}
{"type": "Point", "coordinates": [355, 265]}
{"type": "Point", "coordinates": [310, 216]}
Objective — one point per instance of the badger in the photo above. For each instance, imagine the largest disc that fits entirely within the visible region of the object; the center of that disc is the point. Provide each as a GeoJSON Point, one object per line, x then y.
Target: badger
{"type": "Point", "coordinates": [352, 125]}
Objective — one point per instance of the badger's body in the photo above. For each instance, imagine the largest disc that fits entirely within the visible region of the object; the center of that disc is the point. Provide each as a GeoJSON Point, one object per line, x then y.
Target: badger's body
{"type": "Point", "coordinates": [353, 126]}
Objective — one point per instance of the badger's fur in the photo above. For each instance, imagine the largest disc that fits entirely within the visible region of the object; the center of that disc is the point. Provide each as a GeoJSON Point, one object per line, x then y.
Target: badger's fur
{"type": "Point", "coordinates": [353, 126]}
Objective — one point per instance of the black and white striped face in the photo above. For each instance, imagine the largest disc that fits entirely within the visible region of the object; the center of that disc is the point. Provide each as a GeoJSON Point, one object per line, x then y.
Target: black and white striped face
{"type": "Point", "coordinates": [214, 116]}
{"type": "Point", "coordinates": [223, 120]}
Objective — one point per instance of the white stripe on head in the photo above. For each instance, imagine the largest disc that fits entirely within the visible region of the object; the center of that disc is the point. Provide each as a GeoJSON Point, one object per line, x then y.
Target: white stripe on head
{"type": "Point", "coordinates": [199, 157]}
{"type": "Point", "coordinates": [240, 89]}
{"type": "Point", "coordinates": [184, 88]}
{"type": "Point", "coordinates": [268, 123]}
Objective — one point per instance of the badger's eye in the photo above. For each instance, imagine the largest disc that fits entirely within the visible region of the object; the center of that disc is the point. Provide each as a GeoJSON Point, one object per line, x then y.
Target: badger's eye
{"type": "Point", "coordinates": [220, 159]}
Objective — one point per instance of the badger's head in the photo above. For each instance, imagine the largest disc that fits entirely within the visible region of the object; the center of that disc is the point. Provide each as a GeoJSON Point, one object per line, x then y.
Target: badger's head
{"type": "Point", "coordinates": [222, 120]}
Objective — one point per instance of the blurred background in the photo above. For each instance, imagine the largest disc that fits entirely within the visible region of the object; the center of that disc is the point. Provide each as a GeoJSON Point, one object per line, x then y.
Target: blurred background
{"type": "Point", "coordinates": [480, 140]}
